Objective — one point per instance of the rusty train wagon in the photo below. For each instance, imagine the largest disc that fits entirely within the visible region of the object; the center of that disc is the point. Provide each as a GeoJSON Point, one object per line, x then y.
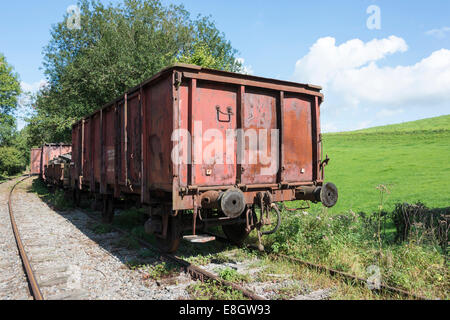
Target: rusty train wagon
{"type": "Point", "coordinates": [57, 172]}
{"type": "Point", "coordinates": [186, 143]}
{"type": "Point", "coordinates": [40, 157]}
{"type": "Point", "coordinates": [35, 161]}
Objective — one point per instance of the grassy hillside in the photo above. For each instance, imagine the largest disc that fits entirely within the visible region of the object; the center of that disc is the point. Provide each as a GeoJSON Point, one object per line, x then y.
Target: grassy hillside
{"type": "Point", "coordinates": [411, 159]}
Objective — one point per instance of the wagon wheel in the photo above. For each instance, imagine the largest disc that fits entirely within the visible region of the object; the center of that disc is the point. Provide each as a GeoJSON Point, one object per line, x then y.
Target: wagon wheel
{"type": "Point", "coordinates": [173, 239]}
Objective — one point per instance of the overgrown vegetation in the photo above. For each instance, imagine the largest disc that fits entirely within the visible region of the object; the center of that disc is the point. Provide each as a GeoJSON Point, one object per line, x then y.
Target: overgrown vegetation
{"type": "Point", "coordinates": [232, 275]}
{"type": "Point", "coordinates": [161, 270]}
{"type": "Point", "coordinates": [211, 290]}
{"type": "Point", "coordinates": [57, 198]}
{"type": "Point", "coordinates": [351, 243]}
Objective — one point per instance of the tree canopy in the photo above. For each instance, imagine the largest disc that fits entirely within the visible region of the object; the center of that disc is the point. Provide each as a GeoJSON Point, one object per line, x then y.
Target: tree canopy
{"type": "Point", "coordinates": [12, 159]}
{"type": "Point", "coordinates": [9, 93]}
{"type": "Point", "coordinates": [116, 48]}
{"type": "Point", "coordinates": [9, 87]}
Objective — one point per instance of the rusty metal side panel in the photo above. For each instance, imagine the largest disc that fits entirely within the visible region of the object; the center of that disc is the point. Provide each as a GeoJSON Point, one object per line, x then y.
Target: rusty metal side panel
{"type": "Point", "coordinates": [87, 147]}
{"type": "Point", "coordinates": [96, 147]}
{"type": "Point", "coordinates": [76, 155]}
{"type": "Point", "coordinates": [109, 148]}
{"type": "Point", "coordinates": [35, 160]}
{"type": "Point", "coordinates": [297, 139]}
{"type": "Point", "coordinates": [214, 108]}
{"type": "Point", "coordinates": [134, 126]}
{"type": "Point", "coordinates": [121, 109]}
{"type": "Point", "coordinates": [159, 106]}
{"type": "Point", "coordinates": [259, 119]}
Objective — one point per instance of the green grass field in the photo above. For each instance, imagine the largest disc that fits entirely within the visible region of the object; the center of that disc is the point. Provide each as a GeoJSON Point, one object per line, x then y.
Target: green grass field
{"type": "Point", "coordinates": [411, 159]}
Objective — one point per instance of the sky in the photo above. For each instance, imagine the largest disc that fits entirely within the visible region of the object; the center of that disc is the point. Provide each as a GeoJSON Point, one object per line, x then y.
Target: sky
{"type": "Point", "coordinates": [379, 62]}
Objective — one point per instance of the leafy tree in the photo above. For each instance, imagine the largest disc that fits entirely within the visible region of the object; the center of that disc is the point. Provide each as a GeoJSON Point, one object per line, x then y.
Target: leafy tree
{"type": "Point", "coordinates": [7, 129]}
{"type": "Point", "coordinates": [9, 87]}
{"type": "Point", "coordinates": [116, 48]}
{"type": "Point", "coordinates": [11, 161]}
{"type": "Point", "coordinates": [11, 158]}
{"type": "Point", "coordinates": [9, 92]}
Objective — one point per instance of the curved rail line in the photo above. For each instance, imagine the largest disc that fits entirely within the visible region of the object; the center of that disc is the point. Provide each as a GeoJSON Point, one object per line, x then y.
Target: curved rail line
{"type": "Point", "coordinates": [333, 272]}
{"type": "Point", "coordinates": [35, 290]}
{"type": "Point", "coordinates": [198, 273]}
{"type": "Point", "coordinates": [194, 271]}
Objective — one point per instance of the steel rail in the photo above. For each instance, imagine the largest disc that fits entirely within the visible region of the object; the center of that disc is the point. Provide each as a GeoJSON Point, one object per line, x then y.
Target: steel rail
{"type": "Point", "coordinates": [35, 290]}
{"type": "Point", "coordinates": [194, 271]}
{"type": "Point", "coordinates": [333, 272]}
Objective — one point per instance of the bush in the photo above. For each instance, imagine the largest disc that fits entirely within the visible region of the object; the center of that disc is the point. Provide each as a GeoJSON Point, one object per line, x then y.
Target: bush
{"type": "Point", "coordinates": [350, 243]}
{"type": "Point", "coordinates": [419, 223]}
{"type": "Point", "coordinates": [11, 161]}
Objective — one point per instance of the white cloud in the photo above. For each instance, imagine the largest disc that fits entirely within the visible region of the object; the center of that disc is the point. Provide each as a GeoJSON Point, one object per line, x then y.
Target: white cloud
{"type": "Point", "coordinates": [328, 127]}
{"type": "Point", "coordinates": [386, 113]}
{"type": "Point", "coordinates": [245, 69]}
{"type": "Point", "coordinates": [33, 87]}
{"type": "Point", "coordinates": [350, 73]}
{"type": "Point", "coordinates": [25, 99]}
{"type": "Point", "coordinates": [325, 60]}
{"type": "Point", "coordinates": [438, 33]}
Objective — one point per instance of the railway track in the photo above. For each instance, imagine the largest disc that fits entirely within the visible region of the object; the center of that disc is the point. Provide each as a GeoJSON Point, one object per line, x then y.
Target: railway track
{"type": "Point", "coordinates": [201, 274]}
{"type": "Point", "coordinates": [36, 253]}
{"type": "Point", "coordinates": [35, 290]}
{"type": "Point", "coordinates": [383, 288]}
{"type": "Point", "coordinates": [30, 270]}
{"type": "Point", "coordinates": [194, 271]}
{"type": "Point", "coordinates": [198, 273]}
{"type": "Point", "coordinates": [13, 281]}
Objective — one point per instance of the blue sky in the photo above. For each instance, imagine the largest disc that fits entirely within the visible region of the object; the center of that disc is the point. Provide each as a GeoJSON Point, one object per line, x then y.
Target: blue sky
{"type": "Point", "coordinates": [371, 77]}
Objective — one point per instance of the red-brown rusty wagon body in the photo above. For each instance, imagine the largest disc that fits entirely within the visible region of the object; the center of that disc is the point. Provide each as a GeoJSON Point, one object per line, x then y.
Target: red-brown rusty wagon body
{"type": "Point", "coordinates": [127, 148]}
{"type": "Point", "coordinates": [40, 157]}
{"type": "Point", "coordinates": [57, 172]}
{"type": "Point", "coordinates": [35, 161]}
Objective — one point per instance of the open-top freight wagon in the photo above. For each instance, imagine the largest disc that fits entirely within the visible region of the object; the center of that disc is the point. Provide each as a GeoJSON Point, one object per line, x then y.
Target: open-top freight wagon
{"type": "Point", "coordinates": [204, 148]}
{"type": "Point", "coordinates": [40, 157]}
{"type": "Point", "coordinates": [57, 171]}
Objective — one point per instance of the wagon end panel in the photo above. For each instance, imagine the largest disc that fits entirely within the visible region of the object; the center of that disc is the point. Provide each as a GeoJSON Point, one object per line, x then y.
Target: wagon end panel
{"type": "Point", "coordinates": [35, 160]}
{"type": "Point", "coordinates": [208, 115]}
{"type": "Point", "coordinates": [260, 141]}
{"type": "Point", "coordinates": [298, 134]}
